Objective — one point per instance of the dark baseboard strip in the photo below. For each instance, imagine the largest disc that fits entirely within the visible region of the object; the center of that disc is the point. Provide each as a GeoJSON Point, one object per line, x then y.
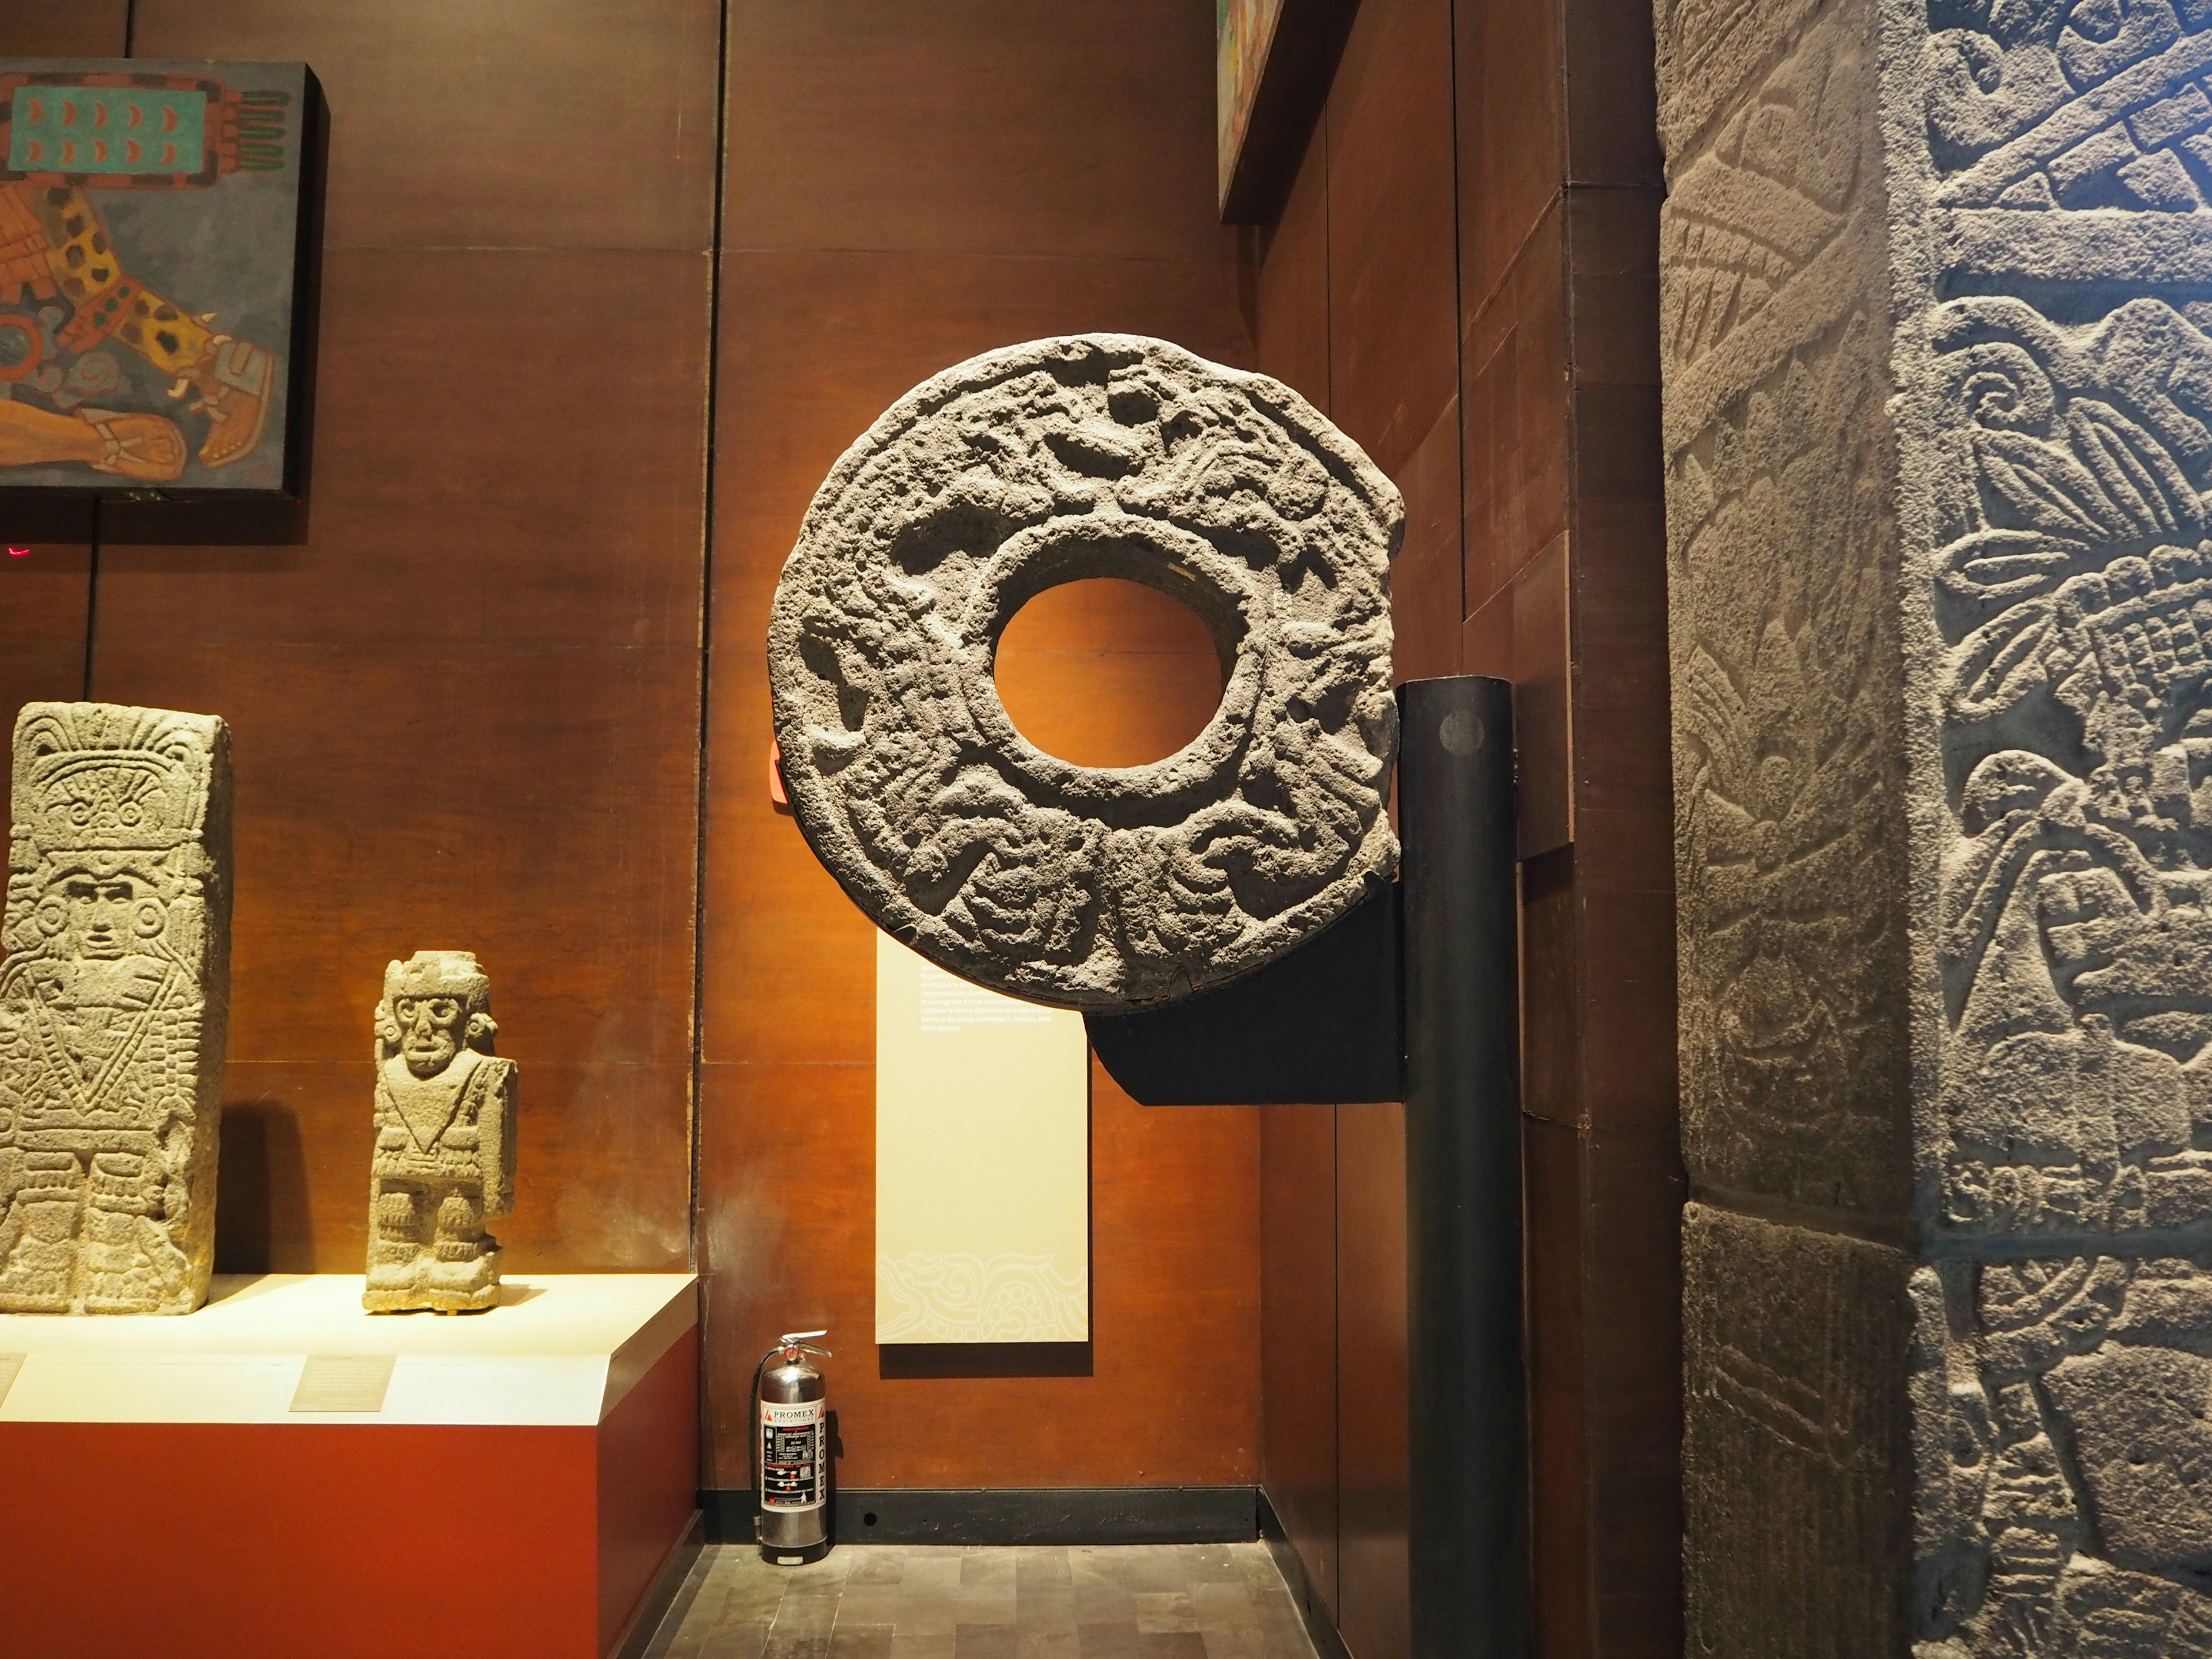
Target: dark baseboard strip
{"type": "Point", "coordinates": [1032, 1515]}
{"type": "Point", "coordinates": [1328, 1642]}
{"type": "Point", "coordinates": [673, 1587]}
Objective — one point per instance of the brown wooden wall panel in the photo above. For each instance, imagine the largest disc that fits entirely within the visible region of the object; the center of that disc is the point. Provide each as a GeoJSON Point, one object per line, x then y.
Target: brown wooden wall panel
{"type": "Point", "coordinates": [1425, 580]}
{"type": "Point", "coordinates": [974, 126]}
{"type": "Point", "coordinates": [1618, 517]}
{"type": "Point", "coordinates": [1510, 133]}
{"type": "Point", "coordinates": [906, 189]}
{"type": "Point", "coordinates": [80, 28]}
{"type": "Point", "coordinates": [1372, 1598]}
{"type": "Point", "coordinates": [1624, 843]}
{"type": "Point", "coordinates": [1531, 165]}
{"type": "Point", "coordinates": [566, 124]}
{"type": "Point", "coordinates": [1551, 989]}
{"type": "Point", "coordinates": [1514, 352]}
{"type": "Point", "coordinates": [1624, 827]}
{"type": "Point", "coordinates": [1631, 1298]}
{"type": "Point", "coordinates": [1298, 1294]}
{"type": "Point", "coordinates": [43, 594]}
{"type": "Point", "coordinates": [1290, 327]}
{"type": "Point", "coordinates": [1539, 614]}
{"type": "Point", "coordinates": [1606, 59]}
{"type": "Point", "coordinates": [465, 700]}
{"type": "Point", "coordinates": [1559, 1518]}
{"type": "Point", "coordinates": [1171, 1397]}
{"type": "Point", "coordinates": [1393, 301]}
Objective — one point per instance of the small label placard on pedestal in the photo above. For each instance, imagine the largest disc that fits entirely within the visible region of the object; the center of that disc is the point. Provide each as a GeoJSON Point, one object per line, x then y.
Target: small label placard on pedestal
{"type": "Point", "coordinates": [344, 1382]}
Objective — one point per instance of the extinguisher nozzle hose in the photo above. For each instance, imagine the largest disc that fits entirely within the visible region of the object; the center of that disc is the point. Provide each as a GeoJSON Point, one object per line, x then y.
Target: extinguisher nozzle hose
{"type": "Point", "coordinates": [753, 1437]}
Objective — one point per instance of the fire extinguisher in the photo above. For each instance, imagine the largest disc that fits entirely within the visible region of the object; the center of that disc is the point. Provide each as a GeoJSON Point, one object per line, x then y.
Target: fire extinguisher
{"type": "Point", "coordinates": [791, 1451]}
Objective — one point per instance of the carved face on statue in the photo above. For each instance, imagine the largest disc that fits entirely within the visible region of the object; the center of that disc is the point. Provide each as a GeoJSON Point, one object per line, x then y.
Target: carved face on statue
{"type": "Point", "coordinates": [436, 1005]}
{"type": "Point", "coordinates": [96, 917]}
{"type": "Point", "coordinates": [431, 1031]}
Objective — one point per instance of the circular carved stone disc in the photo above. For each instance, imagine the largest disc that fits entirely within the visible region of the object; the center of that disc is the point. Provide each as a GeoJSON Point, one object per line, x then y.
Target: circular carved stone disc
{"type": "Point", "coordinates": [1093, 455]}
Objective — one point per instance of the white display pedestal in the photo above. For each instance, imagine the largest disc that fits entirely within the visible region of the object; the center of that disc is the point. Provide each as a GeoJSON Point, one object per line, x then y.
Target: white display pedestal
{"type": "Point", "coordinates": [281, 1473]}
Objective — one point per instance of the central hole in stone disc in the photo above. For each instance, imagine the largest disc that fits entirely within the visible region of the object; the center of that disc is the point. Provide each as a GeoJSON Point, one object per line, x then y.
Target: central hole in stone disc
{"type": "Point", "coordinates": [1108, 672]}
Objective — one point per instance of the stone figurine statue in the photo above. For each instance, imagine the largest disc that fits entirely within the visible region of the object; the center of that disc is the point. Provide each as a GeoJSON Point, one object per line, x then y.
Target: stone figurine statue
{"type": "Point", "coordinates": [114, 979]}
{"type": "Point", "coordinates": [445, 1140]}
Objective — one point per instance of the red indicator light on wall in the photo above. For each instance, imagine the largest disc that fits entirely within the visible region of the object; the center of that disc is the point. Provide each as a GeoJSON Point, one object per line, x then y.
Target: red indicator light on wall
{"type": "Point", "coordinates": [19, 552]}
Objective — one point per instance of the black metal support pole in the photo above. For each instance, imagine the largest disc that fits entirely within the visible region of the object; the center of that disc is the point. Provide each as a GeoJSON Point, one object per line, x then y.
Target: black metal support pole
{"type": "Point", "coordinates": [1466, 1422]}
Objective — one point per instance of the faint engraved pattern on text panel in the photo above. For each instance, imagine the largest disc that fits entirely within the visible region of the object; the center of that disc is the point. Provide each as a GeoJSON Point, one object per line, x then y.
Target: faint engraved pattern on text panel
{"type": "Point", "coordinates": [960, 1297]}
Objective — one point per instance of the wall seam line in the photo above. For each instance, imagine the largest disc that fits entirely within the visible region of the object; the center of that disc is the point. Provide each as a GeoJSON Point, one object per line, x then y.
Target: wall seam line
{"type": "Point", "coordinates": [1459, 338]}
{"type": "Point", "coordinates": [1513, 259]}
{"type": "Point", "coordinates": [707, 1471]}
{"type": "Point", "coordinates": [710, 413]}
{"type": "Point", "coordinates": [1335, 1591]}
{"type": "Point", "coordinates": [98, 503]}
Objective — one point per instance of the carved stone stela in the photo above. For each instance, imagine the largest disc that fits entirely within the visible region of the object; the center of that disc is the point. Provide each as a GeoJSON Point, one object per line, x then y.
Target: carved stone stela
{"type": "Point", "coordinates": [1093, 455]}
{"type": "Point", "coordinates": [1937, 285]}
{"type": "Point", "coordinates": [113, 988]}
{"type": "Point", "coordinates": [445, 1140]}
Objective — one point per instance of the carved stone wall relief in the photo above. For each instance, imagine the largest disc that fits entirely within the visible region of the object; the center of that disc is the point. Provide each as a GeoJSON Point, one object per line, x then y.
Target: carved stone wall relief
{"type": "Point", "coordinates": [1788, 860]}
{"type": "Point", "coordinates": [2065, 1491]}
{"type": "Point", "coordinates": [1990, 1046]}
{"type": "Point", "coordinates": [1788, 866]}
{"type": "Point", "coordinates": [1093, 455]}
{"type": "Point", "coordinates": [2060, 412]}
{"type": "Point", "coordinates": [114, 985]}
{"type": "Point", "coordinates": [2075, 605]}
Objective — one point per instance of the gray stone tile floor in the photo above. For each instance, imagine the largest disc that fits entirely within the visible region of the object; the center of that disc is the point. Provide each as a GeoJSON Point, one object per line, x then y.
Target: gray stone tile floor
{"type": "Point", "coordinates": [944, 1601]}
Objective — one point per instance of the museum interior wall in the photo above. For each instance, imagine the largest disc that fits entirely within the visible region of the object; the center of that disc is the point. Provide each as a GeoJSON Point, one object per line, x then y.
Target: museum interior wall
{"type": "Point", "coordinates": [905, 187]}
{"type": "Point", "coordinates": [1465, 277]}
{"type": "Point", "coordinates": [506, 665]}
{"type": "Point", "coordinates": [464, 686]}
{"type": "Point", "coordinates": [469, 682]}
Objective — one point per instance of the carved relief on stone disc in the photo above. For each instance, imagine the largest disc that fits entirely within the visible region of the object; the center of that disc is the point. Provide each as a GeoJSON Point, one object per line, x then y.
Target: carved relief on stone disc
{"type": "Point", "coordinates": [1047, 463]}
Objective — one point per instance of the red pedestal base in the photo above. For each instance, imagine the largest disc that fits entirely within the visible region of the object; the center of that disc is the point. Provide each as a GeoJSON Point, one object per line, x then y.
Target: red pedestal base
{"type": "Point", "coordinates": [353, 1541]}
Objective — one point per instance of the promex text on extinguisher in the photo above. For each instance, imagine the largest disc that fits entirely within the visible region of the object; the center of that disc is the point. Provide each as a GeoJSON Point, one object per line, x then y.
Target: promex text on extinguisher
{"type": "Point", "coordinates": [791, 1451]}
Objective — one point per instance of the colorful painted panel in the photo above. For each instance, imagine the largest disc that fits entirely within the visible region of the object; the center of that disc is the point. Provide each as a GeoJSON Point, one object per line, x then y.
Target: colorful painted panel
{"type": "Point", "coordinates": [146, 131]}
{"type": "Point", "coordinates": [1242, 31]}
{"type": "Point", "coordinates": [149, 241]}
